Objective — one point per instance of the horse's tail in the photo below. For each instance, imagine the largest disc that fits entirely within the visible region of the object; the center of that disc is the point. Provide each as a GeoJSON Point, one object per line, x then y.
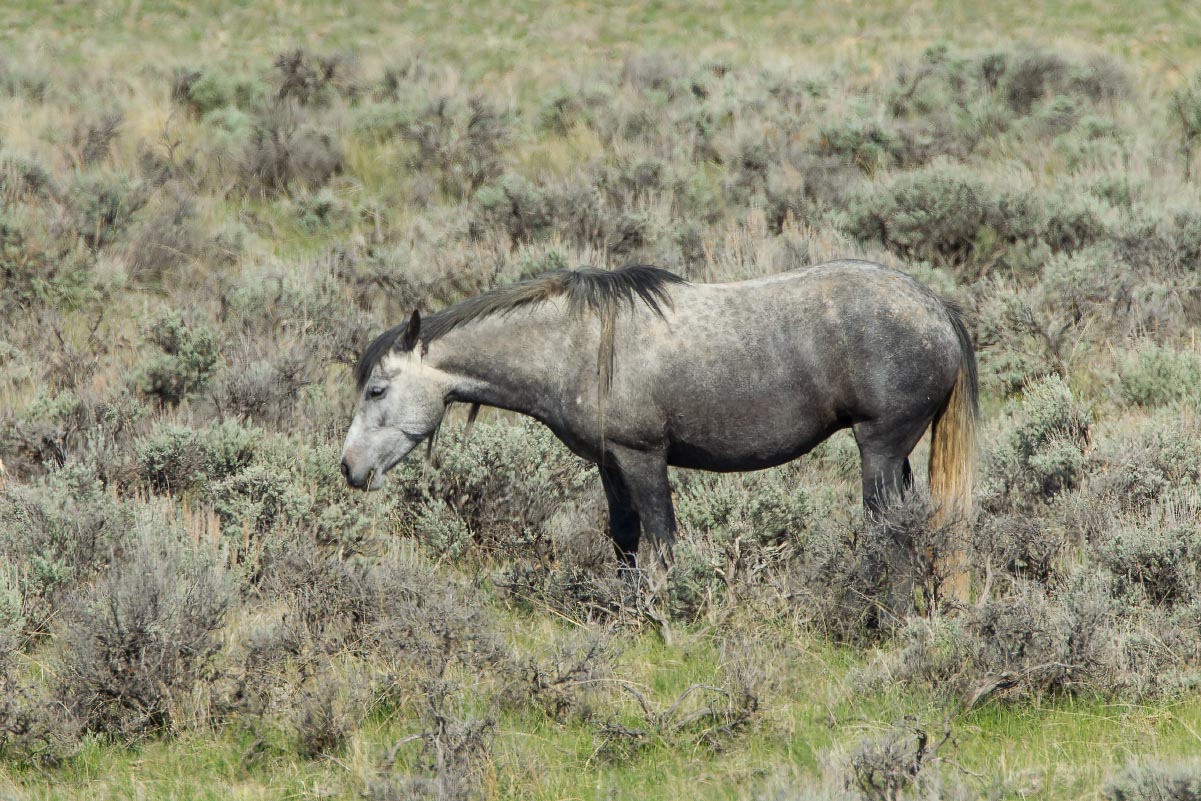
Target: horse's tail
{"type": "Point", "coordinates": [953, 462]}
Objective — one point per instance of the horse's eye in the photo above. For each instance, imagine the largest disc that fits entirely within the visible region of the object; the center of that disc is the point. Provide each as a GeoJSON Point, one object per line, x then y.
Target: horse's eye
{"type": "Point", "coordinates": [375, 393]}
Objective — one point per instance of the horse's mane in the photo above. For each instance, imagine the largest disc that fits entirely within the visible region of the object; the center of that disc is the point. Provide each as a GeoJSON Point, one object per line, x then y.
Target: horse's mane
{"type": "Point", "coordinates": [586, 290]}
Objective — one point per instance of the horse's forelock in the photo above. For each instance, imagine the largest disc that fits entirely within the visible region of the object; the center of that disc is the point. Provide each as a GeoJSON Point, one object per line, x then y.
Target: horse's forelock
{"type": "Point", "coordinates": [375, 353]}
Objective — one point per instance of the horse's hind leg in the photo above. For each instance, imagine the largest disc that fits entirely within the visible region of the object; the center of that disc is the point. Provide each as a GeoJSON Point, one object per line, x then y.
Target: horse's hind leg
{"type": "Point", "coordinates": [887, 477]}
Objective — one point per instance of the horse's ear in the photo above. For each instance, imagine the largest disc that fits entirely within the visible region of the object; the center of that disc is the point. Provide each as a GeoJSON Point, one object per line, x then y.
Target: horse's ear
{"type": "Point", "coordinates": [412, 332]}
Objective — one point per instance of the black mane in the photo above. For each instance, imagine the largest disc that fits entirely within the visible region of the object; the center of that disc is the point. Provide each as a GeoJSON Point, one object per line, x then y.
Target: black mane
{"type": "Point", "coordinates": [587, 289]}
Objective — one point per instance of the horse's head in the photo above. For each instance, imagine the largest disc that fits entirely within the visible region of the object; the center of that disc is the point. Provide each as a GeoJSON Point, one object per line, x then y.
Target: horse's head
{"type": "Point", "coordinates": [402, 402]}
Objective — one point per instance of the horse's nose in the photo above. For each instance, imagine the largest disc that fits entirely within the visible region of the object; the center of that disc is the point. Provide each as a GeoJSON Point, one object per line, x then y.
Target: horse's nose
{"type": "Point", "coordinates": [346, 471]}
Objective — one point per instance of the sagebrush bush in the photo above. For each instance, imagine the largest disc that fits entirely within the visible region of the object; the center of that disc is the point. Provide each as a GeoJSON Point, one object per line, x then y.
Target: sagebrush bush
{"type": "Point", "coordinates": [461, 143]}
{"type": "Point", "coordinates": [258, 500]}
{"type": "Point", "coordinates": [1157, 781]}
{"type": "Point", "coordinates": [102, 208]}
{"type": "Point", "coordinates": [504, 483]}
{"type": "Point", "coordinates": [39, 269]}
{"type": "Point", "coordinates": [58, 535]}
{"type": "Point", "coordinates": [566, 684]}
{"type": "Point", "coordinates": [1021, 545]}
{"type": "Point", "coordinates": [315, 312]}
{"type": "Point", "coordinates": [265, 391]}
{"type": "Point", "coordinates": [89, 427]}
{"type": "Point", "coordinates": [34, 729]}
{"type": "Point", "coordinates": [167, 241]}
{"type": "Point", "coordinates": [1186, 111]}
{"type": "Point", "coordinates": [456, 750]}
{"type": "Point", "coordinates": [515, 207]}
{"type": "Point", "coordinates": [188, 356]}
{"type": "Point", "coordinates": [1158, 460]}
{"type": "Point", "coordinates": [565, 107]}
{"type": "Point", "coordinates": [1029, 78]}
{"type": "Point", "coordinates": [177, 459]}
{"type": "Point", "coordinates": [204, 91]}
{"type": "Point", "coordinates": [1073, 222]}
{"type": "Point", "coordinates": [1016, 641]}
{"type": "Point", "coordinates": [93, 136]}
{"type": "Point", "coordinates": [1040, 450]}
{"type": "Point", "coordinates": [24, 178]}
{"type": "Point", "coordinates": [943, 214]}
{"type": "Point", "coordinates": [326, 714]}
{"type": "Point", "coordinates": [313, 80]}
{"type": "Point", "coordinates": [285, 153]}
{"type": "Point", "coordinates": [886, 767]}
{"type": "Point", "coordinates": [1085, 633]}
{"type": "Point", "coordinates": [866, 144]}
{"type": "Point", "coordinates": [1154, 375]}
{"type": "Point", "coordinates": [143, 637]}
{"type": "Point", "coordinates": [761, 509]}
{"type": "Point", "coordinates": [427, 622]}
{"type": "Point", "coordinates": [1162, 557]}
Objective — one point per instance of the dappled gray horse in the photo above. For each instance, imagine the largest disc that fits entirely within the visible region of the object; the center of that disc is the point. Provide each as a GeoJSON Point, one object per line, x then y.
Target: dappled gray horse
{"type": "Point", "coordinates": [637, 369]}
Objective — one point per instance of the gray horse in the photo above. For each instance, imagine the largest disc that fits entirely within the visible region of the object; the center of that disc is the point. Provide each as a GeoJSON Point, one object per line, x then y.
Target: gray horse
{"type": "Point", "coordinates": [637, 369]}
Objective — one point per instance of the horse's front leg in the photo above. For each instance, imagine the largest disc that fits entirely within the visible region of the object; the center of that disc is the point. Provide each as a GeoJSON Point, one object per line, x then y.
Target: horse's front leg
{"type": "Point", "coordinates": [643, 475]}
{"type": "Point", "coordinates": [624, 525]}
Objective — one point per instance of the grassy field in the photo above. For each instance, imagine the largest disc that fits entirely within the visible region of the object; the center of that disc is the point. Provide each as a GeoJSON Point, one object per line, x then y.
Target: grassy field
{"type": "Point", "coordinates": [205, 213]}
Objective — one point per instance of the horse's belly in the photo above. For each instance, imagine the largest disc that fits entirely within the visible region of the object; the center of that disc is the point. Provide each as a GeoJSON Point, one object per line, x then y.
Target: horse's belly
{"type": "Point", "coordinates": [732, 444]}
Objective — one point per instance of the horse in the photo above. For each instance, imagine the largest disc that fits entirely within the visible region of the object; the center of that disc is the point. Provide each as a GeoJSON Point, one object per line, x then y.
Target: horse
{"type": "Point", "coordinates": [637, 369]}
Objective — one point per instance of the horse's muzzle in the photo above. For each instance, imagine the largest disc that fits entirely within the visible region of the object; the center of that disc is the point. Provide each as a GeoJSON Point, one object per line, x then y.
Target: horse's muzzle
{"type": "Point", "coordinates": [348, 474]}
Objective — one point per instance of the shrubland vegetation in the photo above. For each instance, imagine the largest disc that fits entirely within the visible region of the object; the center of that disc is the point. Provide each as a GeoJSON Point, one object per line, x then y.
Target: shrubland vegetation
{"type": "Point", "coordinates": [196, 240]}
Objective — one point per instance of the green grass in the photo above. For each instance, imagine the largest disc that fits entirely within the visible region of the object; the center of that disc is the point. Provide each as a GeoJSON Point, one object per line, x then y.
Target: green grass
{"type": "Point", "coordinates": [1066, 746]}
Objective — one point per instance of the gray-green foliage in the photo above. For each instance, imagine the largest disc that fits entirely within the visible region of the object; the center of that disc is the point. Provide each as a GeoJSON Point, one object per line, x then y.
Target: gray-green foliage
{"type": "Point", "coordinates": [514, 206]}
{"type": "Point", "coordinates": [12, 612]}
{"type": "Point", "coordinates": [103, 207]}
{"type": "Point", "coordinates": [56, 535]}
{"type": "Point", "coordinates": [1154, 375]}
{"type": "Point", "coordinates": [1161, 557]}
{"type": "Point", "coordinates": [461, 140]}
{"type": "Point", "coordinates": [504, 483]}
{"type": "Point", "coordinates": [866, 144]}
{"type": "Point", "coordinates": [188, 355]}
{"type": "Point", "coordinates": [1157, 781]}
{"type": "Point", "coordinates": [1186, 109]}
{"type": "Point", "coordinates": [284, 152]}
{"type": "Point", "coordinates": [319, 210]}
{"type": "Point", "coordinates": [944, 213]}
{"type": "Point", "coordinates": [34, 728]}
{"type": "Point", "coordinates": [176, 458]}
{"type": "Point", "coordinates": [258, 500]}
{"type": "Point", "coordinates": [1159, 460]}
{"type": "Point", "coordinates": [24, 177]}
{"type": "Point", "coordinates": [35, 268]}
{"type": "Point", "coordinates": [136, 645]}
{"type": "Point", "coordinates": [1039, 452]}
{"type": "Point", "coordinates": [1021, 641]}
{"type": "Point", "coordinates": [204, 91]}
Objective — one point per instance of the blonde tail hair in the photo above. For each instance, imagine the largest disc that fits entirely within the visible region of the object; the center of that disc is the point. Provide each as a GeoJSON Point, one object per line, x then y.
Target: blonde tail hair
{"type": "Point", "coordinates": [953, 468]}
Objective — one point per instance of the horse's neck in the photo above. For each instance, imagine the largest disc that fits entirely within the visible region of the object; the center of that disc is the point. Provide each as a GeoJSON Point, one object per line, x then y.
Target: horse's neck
{"type": "Point", "coordinates": [522, 361]}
